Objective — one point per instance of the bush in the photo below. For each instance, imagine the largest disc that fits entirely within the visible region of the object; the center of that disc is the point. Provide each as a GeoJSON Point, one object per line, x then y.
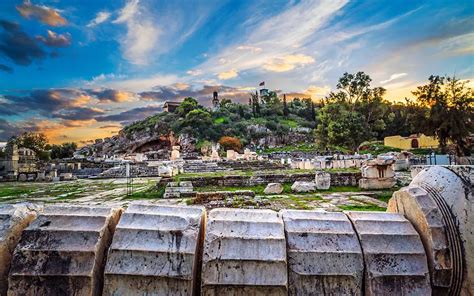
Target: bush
{"type": "Point", "coordinates": [230, 143]}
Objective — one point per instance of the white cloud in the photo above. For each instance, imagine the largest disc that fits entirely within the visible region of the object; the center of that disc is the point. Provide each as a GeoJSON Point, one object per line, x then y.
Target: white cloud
{"type": "Point", "coordinates": [195, 72]}
{"type": "Point", "coordinates": [394, 77]}
{"type": "Point", "coordinates": [251, 48]}
{"type": "Point", "coordinates": [288, 62]}
{"type": "Point", "coordinates": [228, 74]}
{"type": "Point", "coordinates": [142, 35]}
{"type": "Point", "coordinates": [101, 17]}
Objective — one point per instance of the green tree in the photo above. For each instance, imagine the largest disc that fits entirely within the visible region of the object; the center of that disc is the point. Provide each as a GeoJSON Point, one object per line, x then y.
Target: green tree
{"type": "Point", "coordinates": [65, 150]}
{"type": "Point", "coordinates": [286, 111]}
{"type": "Point", "coordinates": [451, 114]}
{"type": "Point", "coordinates": [200, 122]}
{"type": "Point", "coordinates": [33, 141]}
{"type": "Point", "coordinates": [189, 104]}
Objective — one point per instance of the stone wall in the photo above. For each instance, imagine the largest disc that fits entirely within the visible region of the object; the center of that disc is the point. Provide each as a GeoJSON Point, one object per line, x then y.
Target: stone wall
{"type": "Point", "coordinates": [337, 179]}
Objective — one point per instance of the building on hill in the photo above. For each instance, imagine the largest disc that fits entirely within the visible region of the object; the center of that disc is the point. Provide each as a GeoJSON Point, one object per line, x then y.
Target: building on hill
{"type": "Point", "coordinates": [411, 142]}
{"type": "Point", "coordinates": [215, 101]}
{"type": "Point", "coordinates": [171, 106]}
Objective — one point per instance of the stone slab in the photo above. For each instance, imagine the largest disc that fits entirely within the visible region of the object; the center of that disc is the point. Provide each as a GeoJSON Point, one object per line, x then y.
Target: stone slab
{"type": "Point", "coordinates": [394, 257]}
{"type": "Point", "coordinates": [324, 254]}
{"type": "Point", "coordinates": [62, 252]}
{"type": "Point", "coordinates": [155, 251]}
{"type": "Point", "coordinates": [244, 253]}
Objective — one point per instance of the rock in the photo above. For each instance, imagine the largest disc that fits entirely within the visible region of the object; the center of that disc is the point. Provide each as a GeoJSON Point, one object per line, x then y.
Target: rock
{"type": "Point", "coordinates": [155, 251]}
{"type": "Point", "coordinates": [62, 252]}
{"type": "Point", "coordinates": [13, 219]}
{"type": "Point", "coordinates": [244, 253]}
{"type": "Point", "coordinates": [165, 171]}
{"type": "Point", "coordinates": [273, 188]}
{"type": "Point", "coordinates": [322, 180]}
{"type": "Point", "coordinates": [395, 260]}
{"type": "Point", "coordinates": [324, 255]}
{"type": "Point", "coordinates": [377, 183]}
{"type": "Point", "coordinates": [302, 186]}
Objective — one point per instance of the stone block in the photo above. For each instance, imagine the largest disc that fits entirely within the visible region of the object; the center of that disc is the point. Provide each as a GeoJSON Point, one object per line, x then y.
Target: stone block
{"type": "Point", "coordinates": [13, 219]}
{"type": "Point", "coordinates": [394, 257]}
{"type": "Point", "coordinates": [273, 188]}
{"type": "Point", "coordinates": [324, 254]}
{"type": "Point", "coordinates": [302, 186]}
{"type": "Point", "coordinates": [155, 251]}
{"type": "Point", "coordinates": [244, 253]}
{"type": "Point", "coordinates": [377, 183]}
{"type": "Point", "coordinates": [322, 180]}
{"type": "Point", "coordinates": [62, 252]}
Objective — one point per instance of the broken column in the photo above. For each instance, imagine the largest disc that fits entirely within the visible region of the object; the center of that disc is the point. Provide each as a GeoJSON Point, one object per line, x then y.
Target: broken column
{"type": "Point", "coordinates": [439, 202]}
{"type": "Point", "coordinates": [13, 219]}
{"type": "Point", "coordinates": [244, 253]}
{"type": "Point", "coordinates": [378, 174]}
{"type": "Point", "coordinates": [175, 153]}
{"type": "Point", "coordinates": [155, 251]}
{"type": "Point", "coordinates": [62, 252]}
{"type": "Point", "coordinates": [394, 257]}
{"type": "Point", "coordinates": [324, 255]}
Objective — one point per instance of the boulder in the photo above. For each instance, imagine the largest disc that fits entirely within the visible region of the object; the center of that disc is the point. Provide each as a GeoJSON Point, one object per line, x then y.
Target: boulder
{"type": "Point", "coordinates": [273, 188]}
{"type": "Point", "coordinates": [303, 186]}
{"type": "Point", "coordinates": [322, 180]}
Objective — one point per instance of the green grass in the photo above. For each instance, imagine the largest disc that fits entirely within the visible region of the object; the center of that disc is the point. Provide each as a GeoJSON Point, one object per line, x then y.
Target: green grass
{"type": "Point", "coordinates": [290, 148]}
{"type": "Point", "coordinates": [220, 120]}
{"type": "Point", "coordinates": [150, 193]}
{"type": "Point", "coordinates": [289, 122]}
{"type": "Point", "coordinates": [384, 195]}
{"type": "Point", "coordinates": [363, 208]}
{"type": "Point", "coordinates": [14, 191]}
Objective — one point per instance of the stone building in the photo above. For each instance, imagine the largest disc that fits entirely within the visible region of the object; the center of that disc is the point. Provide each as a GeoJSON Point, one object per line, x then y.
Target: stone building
{"type": "Point", "coordinates": [171, 106]}
{"type": "Point", "coordinates": [411, 142]}
{"type": "Point", "coordinates": [215, 101]}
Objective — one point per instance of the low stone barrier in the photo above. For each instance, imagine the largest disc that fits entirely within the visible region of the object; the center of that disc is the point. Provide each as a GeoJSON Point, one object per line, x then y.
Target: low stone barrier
{"type": "Point", "coordinates": [337, 179]}
{"type": "Point", "coordinates": [204, 197]}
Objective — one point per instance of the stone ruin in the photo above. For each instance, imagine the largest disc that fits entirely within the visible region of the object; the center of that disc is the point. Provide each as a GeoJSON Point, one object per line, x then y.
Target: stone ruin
{"type": "Point", "coordinates": [378, 174]}
{"type": "Point", "coordinates": [422, 245]}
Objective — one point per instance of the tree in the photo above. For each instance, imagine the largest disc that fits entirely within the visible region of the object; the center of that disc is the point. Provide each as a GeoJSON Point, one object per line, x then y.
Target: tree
{"type": "Point", "coordinates": [199, 122]}
{"type": "Point", "coordinates": [33, 141]}
{"type": "Point", "coordinates": [286, 111]}
{"type": "Point", "coordinates": [230, 143]}
{"type": "Point", "coordinates": [65, 150]}
{"type": "Point", "coordinates": [187, 105]}
{"type": "Point", "coordinates": [354, 85]}
{"type": "Point", "coordinates": [451, 114]}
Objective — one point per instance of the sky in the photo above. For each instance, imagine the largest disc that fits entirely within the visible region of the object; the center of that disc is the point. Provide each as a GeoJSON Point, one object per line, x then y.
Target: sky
{"type": "Point", "coordinates": [77, 70]}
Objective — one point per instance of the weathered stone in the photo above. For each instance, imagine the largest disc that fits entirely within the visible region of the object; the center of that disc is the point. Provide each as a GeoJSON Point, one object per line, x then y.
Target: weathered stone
{"type": "Point", "coordinates": [62, 252]}
{"type": "Point", "coordinates": [324, 255]}
{"type": "Point", "coordinates": [322, 180]}
{"type": "Point", "coordinates": [395, 260]}
{"type": "Point", "coordinates": [155, 251]}
{"type": "Point", "coordinates": [302, 186]}
{"type": "Point", "coordinates": [244, 253]}
{"type": "Point", "coordinates": [377, 183]}
{"type": "Point", "coordinates": [440, 203]}
{"type": "Point", "coordinates": [13, 219]}
{"type": "Point", "coordinates": [273, 188]}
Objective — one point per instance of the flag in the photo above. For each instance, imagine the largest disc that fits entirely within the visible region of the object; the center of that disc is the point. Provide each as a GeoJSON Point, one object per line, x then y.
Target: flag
{"type": "Point", "coordinates": [262, 83]}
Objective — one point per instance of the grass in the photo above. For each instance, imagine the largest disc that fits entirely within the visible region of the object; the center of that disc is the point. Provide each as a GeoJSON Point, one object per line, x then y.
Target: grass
{"type": "Point", "coordinates": [290, 148]}
{"type": "Point", "coordinates": [363, 208]}
{"type": "Point", "coordinates": [150, 193]}
{"type": "Point", "coordinates": [384, 195]}
{"type": "Point", "coordinates": [220, 120]}
{"type": "Point", "coordinates": [290, 123]}
{"type": "Point", "coordinates": [14, 191]}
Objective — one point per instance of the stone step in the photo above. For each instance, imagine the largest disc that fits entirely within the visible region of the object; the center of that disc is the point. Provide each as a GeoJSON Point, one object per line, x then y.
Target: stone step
{"type": "Point", "coordinates": [395, 262]}
{"type": "Point", "coordinates": [324, 254]}
{"type": "Point", "coordinates": [244, 253]}
{"type": "Point", "coordinates": [67, 259]}
{"type": "Point", "coordinates": [155, 248]}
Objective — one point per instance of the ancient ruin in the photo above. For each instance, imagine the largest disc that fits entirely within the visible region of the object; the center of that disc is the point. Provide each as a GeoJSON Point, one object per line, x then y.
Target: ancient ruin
{"type": "Point", "coordinates": [423, 244]}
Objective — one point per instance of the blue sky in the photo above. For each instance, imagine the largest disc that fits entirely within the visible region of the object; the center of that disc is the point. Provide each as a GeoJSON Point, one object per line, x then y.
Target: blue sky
{"type": "Point", "coordinates": [79, 70]}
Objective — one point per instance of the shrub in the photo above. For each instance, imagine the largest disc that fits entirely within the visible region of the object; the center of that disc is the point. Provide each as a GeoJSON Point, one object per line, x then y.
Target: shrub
{"type": "Point", "coordinates": [230, 143]}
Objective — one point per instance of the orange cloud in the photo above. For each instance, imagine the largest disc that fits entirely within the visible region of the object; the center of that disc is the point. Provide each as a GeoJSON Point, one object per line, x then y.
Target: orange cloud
{"type": "Point", "coordinates": [228, 74]}
{"type": "Point", "coordinates": [288, 62]}
{"type": "Point", "coordinates": [42, 13]}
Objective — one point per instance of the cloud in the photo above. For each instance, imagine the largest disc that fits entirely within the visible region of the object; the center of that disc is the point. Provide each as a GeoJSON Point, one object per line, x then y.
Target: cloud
{"type": "Point", "coordinates": [132, 115]}
{"type": "Point", "coordinates": [44, 14]}
{"type": "Point", "coordinates": [228, 74]}
{"type": "Point", "coordinates": [115, 126]}
{"type": "Point", "coordinates": [101, 17]}
{"type": "Point", "coordinates": [394, 77]}
{"type": "Point", "coordinates": [55, 40]}
{"type": "Point", "coordinates": [194, 72]}
{"type": "Point", "coordinates": [5, 68]}
{"type": "Point", "coordinates": [313, 92]}
{"type": "Point", "coordinates": [112, 95]}
{"type": "Point", "coordinates": [141, 36]}
{"type": "Point", "coordinates": [288, 62]}
{"type": "Point", "coordinates": [17, 45]}
{"type": "Point", "coordinates": [78, 114]}
{"type": "Point", "coordinates": [251, 48]}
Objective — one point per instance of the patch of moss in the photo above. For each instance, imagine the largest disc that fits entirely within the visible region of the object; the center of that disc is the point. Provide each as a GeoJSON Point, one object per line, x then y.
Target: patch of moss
{"type": "Point", "coordinates": [363, 208]}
